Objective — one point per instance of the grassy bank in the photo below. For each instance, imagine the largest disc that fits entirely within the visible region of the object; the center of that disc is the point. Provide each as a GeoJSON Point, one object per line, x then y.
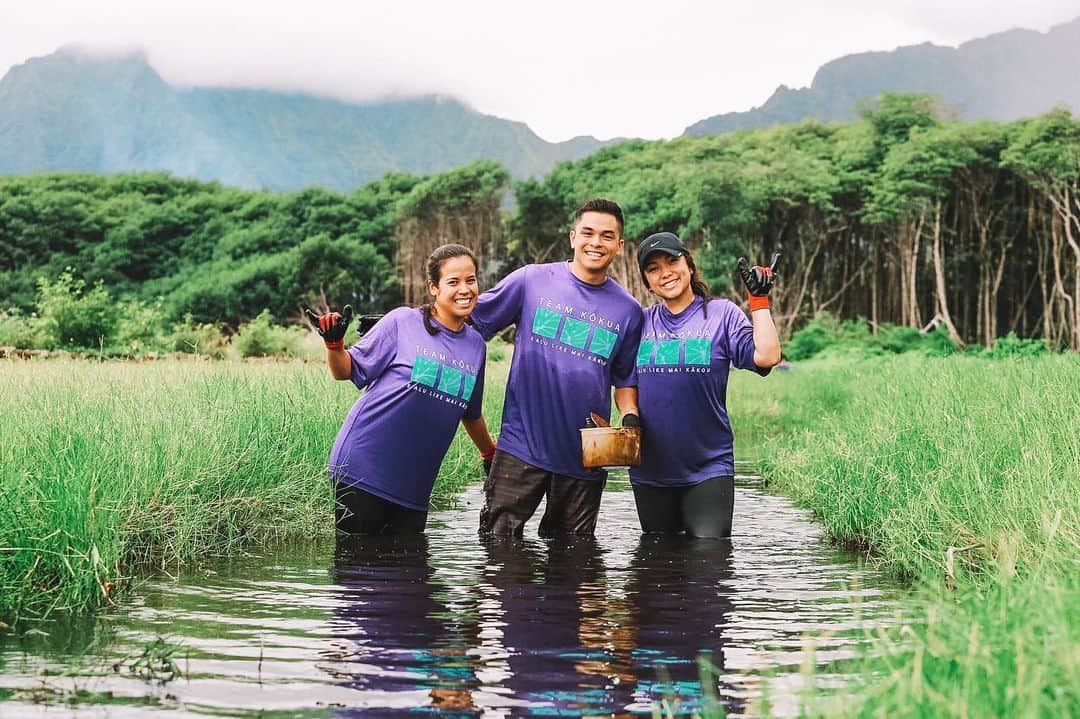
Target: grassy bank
{"type": "Point", "coordinates": [108, 466]}
{"type": "Point", "coordinates": [962, 475]}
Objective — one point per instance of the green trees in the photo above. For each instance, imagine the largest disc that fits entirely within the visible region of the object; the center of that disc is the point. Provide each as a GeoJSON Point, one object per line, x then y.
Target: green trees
{"type": "Point", "coordinates": [903, 217]}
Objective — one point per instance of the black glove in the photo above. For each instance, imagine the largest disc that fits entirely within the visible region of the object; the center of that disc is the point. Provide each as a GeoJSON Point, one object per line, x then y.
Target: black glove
{"type": "Point", "coordinates": [366, 322]}
{"type": "Point", "coordinates": [758, 280]}
{"type": "Point", "coordinates": [486, 458]}
{"type": "Point", "coordinates": [631, 420]}
{"type": "Point", "coordinates": [332, 326]}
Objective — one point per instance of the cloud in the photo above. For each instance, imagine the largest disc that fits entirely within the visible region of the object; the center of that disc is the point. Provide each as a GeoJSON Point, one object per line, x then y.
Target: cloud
{"type": "Point", "coordinates": [566, 68]}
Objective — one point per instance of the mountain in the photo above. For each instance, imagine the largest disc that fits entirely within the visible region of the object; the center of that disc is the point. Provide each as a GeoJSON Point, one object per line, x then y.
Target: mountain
{"type": "Point", "coordinates": [1013, 74]}
{"type": "Point", "coordinates": [74, 110]}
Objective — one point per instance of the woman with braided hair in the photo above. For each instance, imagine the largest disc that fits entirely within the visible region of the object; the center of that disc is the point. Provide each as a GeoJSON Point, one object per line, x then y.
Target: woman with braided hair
{"type": "Point", "coordinates": [685, 482]}
{"type": "Point", "coordinates": [422, 371]}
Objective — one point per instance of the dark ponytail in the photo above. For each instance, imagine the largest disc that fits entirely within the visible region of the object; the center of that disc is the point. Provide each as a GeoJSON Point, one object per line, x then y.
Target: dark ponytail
{"type": "Point", "coordinates": [434, 274]}
{"type": "Point", "coordinates": [698, 285]}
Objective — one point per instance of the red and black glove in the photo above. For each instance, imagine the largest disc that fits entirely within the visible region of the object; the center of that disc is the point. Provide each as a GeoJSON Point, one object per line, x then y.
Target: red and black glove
{"type": "Point", "coordinates": [487, 457]}
{"type": "Point", "coordinates": [332, 326]}
{"type": "Point", "coordinates": [758, 280]}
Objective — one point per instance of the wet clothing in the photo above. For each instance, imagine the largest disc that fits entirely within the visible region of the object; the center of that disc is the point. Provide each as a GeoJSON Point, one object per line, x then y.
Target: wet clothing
{"type": "Point", "coordinates": [682, 365]}
{"type": "Point", "coordinates": [701, 510]}
{"type": "Point", "coordinates": [514, 489]}
{"type": "Point", "coordinates": [360, 512]}
{"type": "Point", "coordinates": [418, 387]}
{"type": "Point", "coordinates": [574, 341]}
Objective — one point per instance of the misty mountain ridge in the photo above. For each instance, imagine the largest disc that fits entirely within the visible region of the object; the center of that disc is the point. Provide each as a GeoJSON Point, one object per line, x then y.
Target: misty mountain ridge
{"type": "Point", "coordinates": [1004, 76]}
{"type": "Point", "coordinates": [84, 110]}
{"type": "Point", "coordinates": [80, 109]}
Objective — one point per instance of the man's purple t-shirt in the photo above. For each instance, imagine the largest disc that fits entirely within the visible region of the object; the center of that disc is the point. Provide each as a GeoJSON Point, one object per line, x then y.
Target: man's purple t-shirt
{"type": "Point", "coordinates": [419, 386]}
{"type": "Point", "coordinates": [682, 365]}
{"type": "Point", "coordinates": [574, 341]}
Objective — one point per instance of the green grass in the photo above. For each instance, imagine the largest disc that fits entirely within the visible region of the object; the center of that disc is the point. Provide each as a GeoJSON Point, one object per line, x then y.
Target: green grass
{"type": "Point", "coordinates": [963, 476]}
{"type": "Point", "coordinates": [108, 467]}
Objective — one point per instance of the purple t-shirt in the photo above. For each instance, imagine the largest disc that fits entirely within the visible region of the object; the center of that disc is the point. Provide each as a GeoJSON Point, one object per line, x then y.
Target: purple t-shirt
{"type": "Point", "coordinates": [682, 366]}
{"type": "Point", "coordinates": [419, 386]}
{"type": "Point", "coordinates": [574, 341]}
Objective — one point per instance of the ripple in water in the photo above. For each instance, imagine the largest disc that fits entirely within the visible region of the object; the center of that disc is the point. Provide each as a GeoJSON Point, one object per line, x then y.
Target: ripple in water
{"type": "Point", "coordinates": [449, 625]}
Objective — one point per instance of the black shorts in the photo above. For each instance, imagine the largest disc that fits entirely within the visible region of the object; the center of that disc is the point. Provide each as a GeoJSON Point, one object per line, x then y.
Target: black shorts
{"type": "Point", "coordinates": [514, 489]}
{"type": "Point", "coordinates": [360, 512]}
{"type": "Point", "coordinates": [700, 510]}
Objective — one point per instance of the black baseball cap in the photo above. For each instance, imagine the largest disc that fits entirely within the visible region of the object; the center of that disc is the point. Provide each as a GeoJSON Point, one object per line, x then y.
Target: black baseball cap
{"type": "Point", "coordinates": [667, 242]}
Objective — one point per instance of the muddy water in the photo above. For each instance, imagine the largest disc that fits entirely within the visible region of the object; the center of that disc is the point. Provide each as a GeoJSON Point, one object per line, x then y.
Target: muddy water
{"type": "Point", "coordinates": [451, 626]}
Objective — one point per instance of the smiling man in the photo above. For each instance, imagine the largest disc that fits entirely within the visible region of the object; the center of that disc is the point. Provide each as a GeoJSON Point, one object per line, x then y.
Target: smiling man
{"type": "Point", "coordinates": [577, 336]}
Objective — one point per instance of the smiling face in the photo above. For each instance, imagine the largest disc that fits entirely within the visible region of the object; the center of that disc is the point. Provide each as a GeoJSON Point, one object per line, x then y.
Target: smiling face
{"type": "Point", "coordinates": [455, 295]}
{"type": "Point", "coordinates": [669, 278]}
{"type": "Point", "coordinates": [597, 241]}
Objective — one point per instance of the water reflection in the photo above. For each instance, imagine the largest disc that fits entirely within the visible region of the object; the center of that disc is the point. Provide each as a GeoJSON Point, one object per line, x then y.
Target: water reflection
{"type": "Point", "coordinates": [678, 596]}
{"type": "Point", "coordinates": [392, 643]}
{"type": "Point", "coordinates": [448, 625]}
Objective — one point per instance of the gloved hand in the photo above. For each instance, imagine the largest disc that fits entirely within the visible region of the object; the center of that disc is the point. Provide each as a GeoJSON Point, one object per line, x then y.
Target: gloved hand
{"type": "Point", "coordinates": [631, 420]}
{"type": "Point", "coordinates": [487, 457]}
{"type": "Point", "coordinates": [332, 326]}
{"type": "Point", "coordinates": [758, 280]}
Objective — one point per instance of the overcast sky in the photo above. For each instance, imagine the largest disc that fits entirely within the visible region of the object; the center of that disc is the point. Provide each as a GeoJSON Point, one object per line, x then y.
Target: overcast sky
{"type": "Point", "coordinates": [566, 68]}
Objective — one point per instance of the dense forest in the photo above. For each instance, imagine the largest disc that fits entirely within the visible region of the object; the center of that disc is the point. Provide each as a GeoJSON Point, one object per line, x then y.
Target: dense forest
{"type": "Point", "coordinates": [904, 216]}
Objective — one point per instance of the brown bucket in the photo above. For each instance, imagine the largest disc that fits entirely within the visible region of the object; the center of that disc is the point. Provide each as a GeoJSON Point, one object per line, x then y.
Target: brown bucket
{"type": "Point", "coordinates": [610, 447]}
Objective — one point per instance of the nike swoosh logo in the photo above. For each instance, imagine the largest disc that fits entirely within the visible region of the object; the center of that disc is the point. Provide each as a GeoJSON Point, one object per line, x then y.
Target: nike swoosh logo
{"type": "Point", "coordinates": [654, 243]}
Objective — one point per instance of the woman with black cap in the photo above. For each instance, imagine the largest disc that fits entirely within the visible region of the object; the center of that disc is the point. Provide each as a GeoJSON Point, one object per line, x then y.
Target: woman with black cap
{"type": "Point", "coordinates": [685, 482]}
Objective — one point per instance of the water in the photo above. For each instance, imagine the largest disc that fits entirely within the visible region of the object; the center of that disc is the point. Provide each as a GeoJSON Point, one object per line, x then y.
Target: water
{"type": "Point", "coordinates": [451, 626]}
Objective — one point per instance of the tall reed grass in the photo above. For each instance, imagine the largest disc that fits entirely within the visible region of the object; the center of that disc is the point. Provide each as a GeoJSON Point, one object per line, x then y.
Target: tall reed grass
{"type": "Point", "coordinates": [962, 475]}
{"type": "Point", "coordinates": [105, 467]}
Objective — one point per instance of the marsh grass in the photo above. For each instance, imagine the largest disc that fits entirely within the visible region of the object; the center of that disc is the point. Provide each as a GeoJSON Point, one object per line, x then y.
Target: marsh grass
{"type": "Point", "coordinates": [106, 468]}
{"type": "Point", "coordinates": [961, 475]}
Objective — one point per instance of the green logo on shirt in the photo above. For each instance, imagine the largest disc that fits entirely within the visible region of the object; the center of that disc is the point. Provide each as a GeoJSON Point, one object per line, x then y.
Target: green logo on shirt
{"type": "Point", "coordinates": [698, 351]}
{"type": "Point", "coordinates": [546, 323]}
{"type": "Point", "coordinates": [603, 342]}
{"type": "Point", "coordinates": [575, 333]}
{"type": "Point", "coordinates": [644, 353]}
{"type": "Point", "coordinates": [667, 352]}
{"type": "Point", "coordinates": [426, 371]}
{"type": "Point", "coordinates": [450, 380]}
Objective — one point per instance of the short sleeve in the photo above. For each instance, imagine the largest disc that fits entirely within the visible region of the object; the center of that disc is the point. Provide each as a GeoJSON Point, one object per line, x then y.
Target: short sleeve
{"type": "Point", "coordinates": [500, 307]}
{"type": "Point", "coordinates": [375, 351]}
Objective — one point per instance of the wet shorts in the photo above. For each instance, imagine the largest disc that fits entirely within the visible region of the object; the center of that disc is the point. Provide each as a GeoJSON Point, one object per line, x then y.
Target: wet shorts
{"type": "Point", "coordinates": [359, 512]}
{"type": "Point", "coordinates": [514, 489]}
{"type": "Point", "coordinates": [700, 510]}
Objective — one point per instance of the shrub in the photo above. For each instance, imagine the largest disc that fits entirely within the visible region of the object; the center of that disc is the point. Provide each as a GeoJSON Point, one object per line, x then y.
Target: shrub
{"type": "Point", "coordinates": [261, 338]}
{"type": "Point", "coordinates": [141, 328]}
{"type": "Point", "coordinates": [198, 338]}
{"type": "Point", "coordinates": [75, 318]}
{"type": "Point", "coordinates": [1012, 346]}
{"type": "Point", "coordinates": [818, 334]}
{"type": "Point", "coordinates": [22, 331]}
